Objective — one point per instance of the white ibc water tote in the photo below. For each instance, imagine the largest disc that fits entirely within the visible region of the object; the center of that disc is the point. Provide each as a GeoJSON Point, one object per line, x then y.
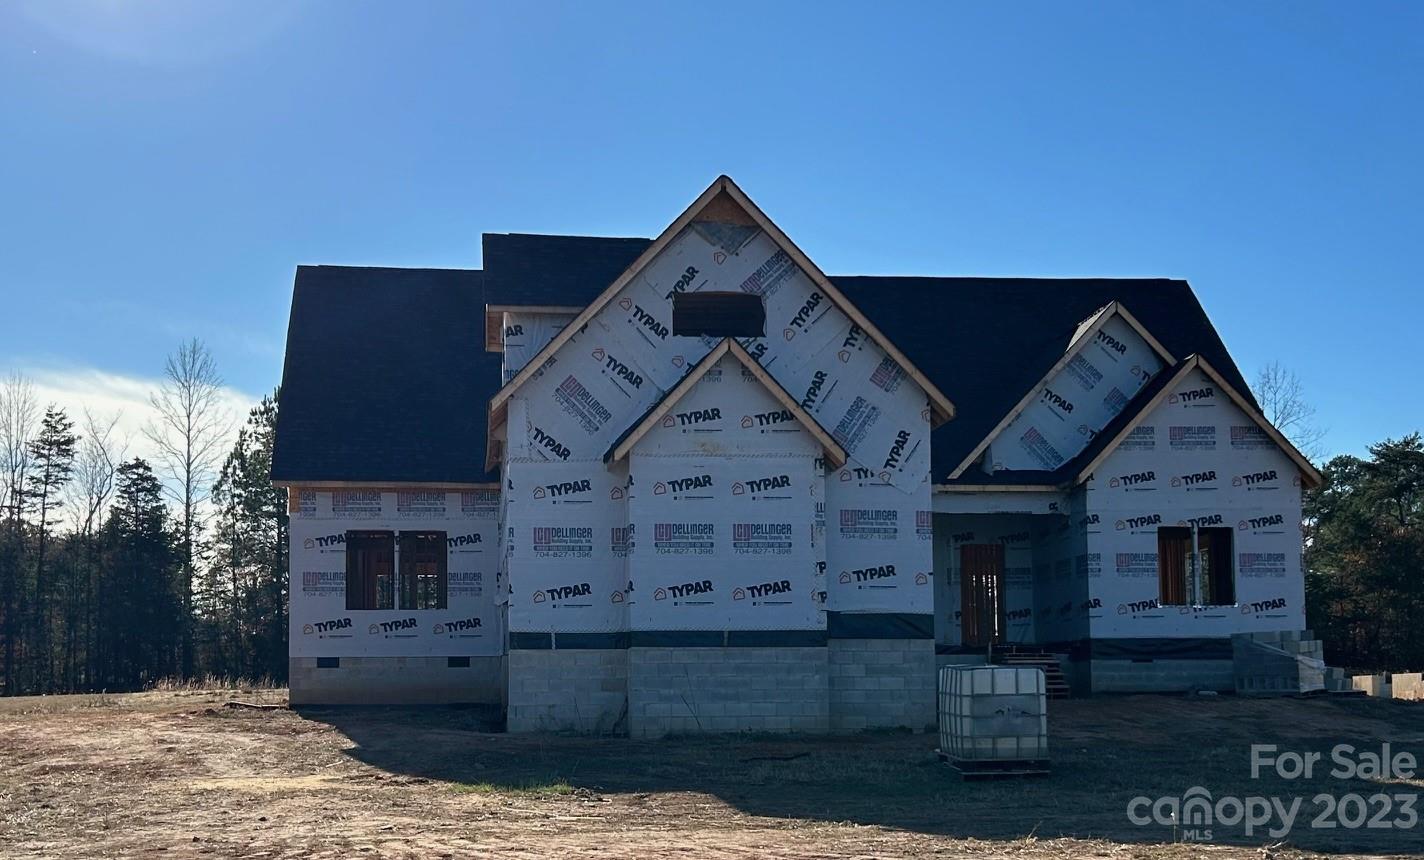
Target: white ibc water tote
{"type": "Point", "coordinates": [993, 720]}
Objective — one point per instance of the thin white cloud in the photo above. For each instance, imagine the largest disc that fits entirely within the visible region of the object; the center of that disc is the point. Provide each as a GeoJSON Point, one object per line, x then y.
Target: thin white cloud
{"type": "Point", "coordinates": [108, 394]}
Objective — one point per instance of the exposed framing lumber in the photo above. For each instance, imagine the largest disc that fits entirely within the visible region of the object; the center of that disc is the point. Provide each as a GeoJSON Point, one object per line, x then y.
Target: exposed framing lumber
{"type": "Point", "coordinates": [294, 488]}
{"type": "Point", "coordinates": [724, 199]}
{"type": "Point", "coordinates": [498, 408]}
{"type": "Point", "coordinates": [494, 320]}
{"type": "Point", "coordinates": [1310, 476]}
{"type": "Point", "coordinates": [1085, 333]}
{"type": "Point", "coordinates": [835, 454]}
{"type": "Point", "coordinates": [387, 486]}
{"type": "Point", "coordinates": [997, 488]}
{"type": "Point", "coordinates": [941, 409]}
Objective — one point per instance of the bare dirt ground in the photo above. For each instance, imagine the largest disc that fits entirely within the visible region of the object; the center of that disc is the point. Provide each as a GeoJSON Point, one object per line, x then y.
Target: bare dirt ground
{"type": "Point", "coordinates": [178, 774]}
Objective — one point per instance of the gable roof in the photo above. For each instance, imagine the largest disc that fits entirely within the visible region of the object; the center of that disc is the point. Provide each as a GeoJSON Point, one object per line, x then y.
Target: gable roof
{"type": "Point", "coordinates": [985, 340]}
{"type": "Point", "coordinates": [835, 454]}
{"type": "Point", "coordinates": [722, 201]}
{"type": "Point", "coordinates": [530, 269]}
{"type": "Point", "coordinates": [1084, 333]}
{"type": "Point", "coordinates": [384, 380]}
{"type": "Point", "coordinates": [1161, 389]}
{"type": "Point", "coordinates": [990, 340]}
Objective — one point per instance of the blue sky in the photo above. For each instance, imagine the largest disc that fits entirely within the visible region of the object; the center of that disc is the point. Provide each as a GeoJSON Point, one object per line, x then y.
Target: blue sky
{"type": "Point", "coordinates": [164, 166]}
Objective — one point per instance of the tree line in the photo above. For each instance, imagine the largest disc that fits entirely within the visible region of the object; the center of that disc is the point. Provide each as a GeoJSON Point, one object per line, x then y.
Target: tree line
{"type": "Point", "coordinates": [118, 571]}
{"type": "Point", "coordinates": [1364, 532]}
{"type": "Point", "coordinates": [1363, 538]}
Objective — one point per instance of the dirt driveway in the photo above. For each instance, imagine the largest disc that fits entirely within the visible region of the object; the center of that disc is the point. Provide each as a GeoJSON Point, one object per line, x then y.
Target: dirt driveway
{"type": "Point", "coordinates": [181, 775]}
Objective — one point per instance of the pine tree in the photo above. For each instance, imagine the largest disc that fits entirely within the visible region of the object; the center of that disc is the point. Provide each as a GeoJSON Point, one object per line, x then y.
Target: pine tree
{"type": "Point", "coordinates": [140, 609]}
{"type": "Point", "coordinates": [52, 453]}
{"type": "Point", "coordinates": [251, 549]}
{"type": "Point", "coordinates": [1365, 552]}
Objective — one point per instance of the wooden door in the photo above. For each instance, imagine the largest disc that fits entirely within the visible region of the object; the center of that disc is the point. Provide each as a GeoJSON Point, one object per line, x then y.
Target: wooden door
{"type": "Point", "coordinates": [981, 593]}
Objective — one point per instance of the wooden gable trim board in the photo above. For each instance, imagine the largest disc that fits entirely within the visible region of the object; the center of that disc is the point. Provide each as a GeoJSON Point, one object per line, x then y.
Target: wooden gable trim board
{"type": "Point", "coordinates": [1085, 332]}
{"type": "Point", "coordinates": [941, 408]}
{"type": "Point", "coordinates": [1310, 476]}
{"type": "Point", "coordinates": [494, 320]}
{"type": "Point", "coordinates": [835, 454]}
{"type": "Point", "coordinates": [498, 410]}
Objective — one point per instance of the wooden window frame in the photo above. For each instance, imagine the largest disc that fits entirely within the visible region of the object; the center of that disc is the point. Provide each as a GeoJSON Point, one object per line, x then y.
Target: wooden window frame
{"type": "Point", "coordinates": [410, 548]}
{"type": "Point", "coordinates": [363, 574]}
{"type": "Point", "coordinates": [1174, 565]}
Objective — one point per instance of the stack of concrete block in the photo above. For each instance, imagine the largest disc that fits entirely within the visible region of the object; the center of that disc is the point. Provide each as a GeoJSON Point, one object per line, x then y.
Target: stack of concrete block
{"type": "Point", "coordinates": [1407, 685]}
{"type": "Point", "coordinates": [1372, 685]}
{"type": "Point", "coordinates": [1279, 663]}
{"type": "Point", "coordinates": [1336, 681]}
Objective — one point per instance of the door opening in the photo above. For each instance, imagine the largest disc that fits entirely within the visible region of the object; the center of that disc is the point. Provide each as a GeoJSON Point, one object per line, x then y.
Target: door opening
{"type": "Point", "coordinates": [981, 594]}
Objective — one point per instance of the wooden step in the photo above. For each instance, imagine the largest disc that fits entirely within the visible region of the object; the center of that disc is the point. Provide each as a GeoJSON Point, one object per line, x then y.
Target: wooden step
{"type": "Point", "coordinates": [1055, 684]}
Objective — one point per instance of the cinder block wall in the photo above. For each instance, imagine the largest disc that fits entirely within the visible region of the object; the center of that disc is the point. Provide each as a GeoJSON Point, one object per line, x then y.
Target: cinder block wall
{"type": "Point", "coordinates": [396, 681]}
{"type": "Point", "coordinates": [882, 683]}
{"type": "Point", "coordinates": [573, 690]}
{"type": "Point", "coordinates": [1162, 676]}
{"type": "Point", "coordinates": [727, 689]}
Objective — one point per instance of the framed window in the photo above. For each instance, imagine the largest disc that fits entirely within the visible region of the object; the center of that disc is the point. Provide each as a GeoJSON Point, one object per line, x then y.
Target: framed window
{"type": "Point", "coordinates": [718, 314]}
{"type": "Point", "coordinates": [424, 574]}
{"type": "Point", "coordinates": [1196, 563]}
{"type": "Point", "coordinates": [370, 570]}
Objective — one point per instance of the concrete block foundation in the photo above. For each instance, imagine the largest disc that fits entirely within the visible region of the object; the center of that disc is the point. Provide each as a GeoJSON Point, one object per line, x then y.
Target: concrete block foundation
{"type": "Point", "coordinates": [568, 690]}
{"type": "Point", "coordinates": [396, 680]}
{"type": "Point", "coordinates": [882, 683]}
{"type": "Point", "coordinates": [726, 689]}
{"type": "Point", "coordinates": [1161, 676]}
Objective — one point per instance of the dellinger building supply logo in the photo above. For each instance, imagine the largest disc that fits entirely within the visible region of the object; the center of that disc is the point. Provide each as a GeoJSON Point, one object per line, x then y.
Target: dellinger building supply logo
{"type": "Point", "coordinates": [1197, 816]}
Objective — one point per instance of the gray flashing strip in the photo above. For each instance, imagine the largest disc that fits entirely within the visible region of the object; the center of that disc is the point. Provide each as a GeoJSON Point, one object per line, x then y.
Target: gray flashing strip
{"type": "Point", "coordinates": [1142, 649]}
{"type": "Point", "coordinates": [668, 639]}
{"type": "Point", "coordinates": [879, 625]}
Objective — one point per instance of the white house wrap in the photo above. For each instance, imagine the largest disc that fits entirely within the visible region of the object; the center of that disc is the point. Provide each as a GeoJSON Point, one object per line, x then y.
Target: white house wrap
{"type": "Point", "coordinates": [320, 623]}
{"type": "Point", "coordinates": [703, 474]}
{"type": "Point", "coordinates": [1098, 381]}
{"type": "Point", "coordinates": [567, 521]}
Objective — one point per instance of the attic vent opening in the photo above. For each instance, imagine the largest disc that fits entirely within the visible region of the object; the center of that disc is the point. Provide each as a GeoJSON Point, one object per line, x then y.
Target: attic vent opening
{"type": "Point", "coordinates": [718, 314]}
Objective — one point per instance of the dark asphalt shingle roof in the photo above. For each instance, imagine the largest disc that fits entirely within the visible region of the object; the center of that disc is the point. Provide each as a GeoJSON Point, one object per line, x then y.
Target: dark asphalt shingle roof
{"type": "Point", "coordinates": [528, 269]}
{"type": "Point", "coordinates": [987, 341]}
{"type": "Point", "coordinates": [984, 341]}
{"type": "Point", "coordinates": [386, 377]}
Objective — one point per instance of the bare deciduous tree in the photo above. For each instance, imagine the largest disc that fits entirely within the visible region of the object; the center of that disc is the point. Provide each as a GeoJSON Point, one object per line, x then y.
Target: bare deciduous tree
{"type": "Point", "coordinates": [96, 465]}
{"type": "Point", "coordinates": [19, 411]}
{"type": "Point", "coordinates": [188, 434]}
{"type": "Point", "coordinates": [1282, 399]}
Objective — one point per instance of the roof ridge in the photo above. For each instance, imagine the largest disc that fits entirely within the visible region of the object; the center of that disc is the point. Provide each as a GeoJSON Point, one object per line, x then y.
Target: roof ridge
{"type": "Point", "coordinates": [1083, 279]}
{"type": "Point", "coordinates": [386, 268]}
{"type": "Point", "coordinates": [523, 235]}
